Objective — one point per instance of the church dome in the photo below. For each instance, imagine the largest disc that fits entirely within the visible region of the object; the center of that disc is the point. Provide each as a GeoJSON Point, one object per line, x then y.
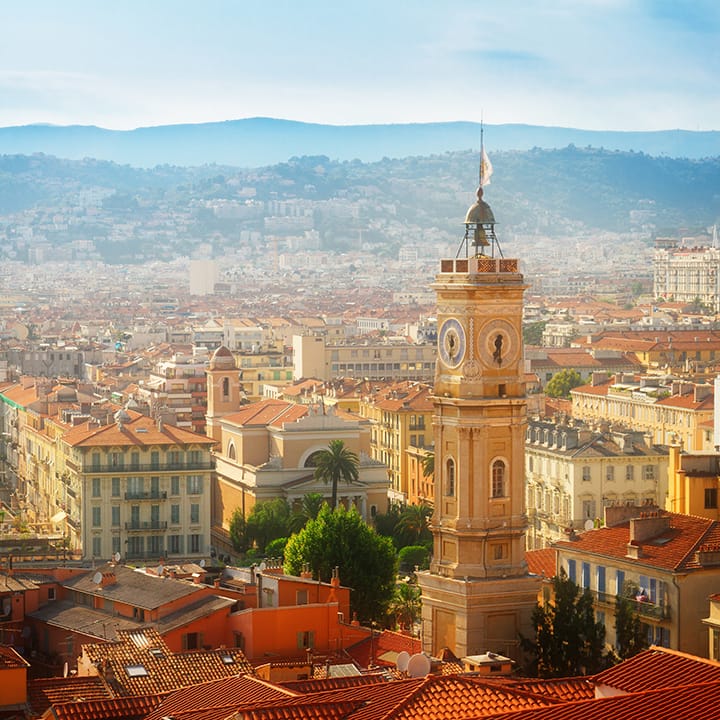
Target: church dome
{"type": "Point", "coordinates": [222, 359]}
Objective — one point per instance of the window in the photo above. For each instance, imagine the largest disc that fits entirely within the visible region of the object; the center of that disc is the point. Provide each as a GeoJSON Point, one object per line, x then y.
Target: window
{"type": "Point", "coordinates": [117, 460]}
{"type": "Point", "coordinates": [154, 459]}
{"type": "Point", "coordinates": [648, 472]}
{"type": "Point", "coordinates": [155, 486]}
{"type": "Point", "coordinates": [97, 547]}
{"type": "Point", "coordinates": [619, 582]}
{"type": "Point", "coordinates": [96, 487]}
{"type": "Point", "coordinates": [96, 461]}
{"type": "Point", "coordinates": [301, 597]}
{"type": "Point", "coordinates": [194, 543]}
{"type": "Point", "coordinates": [585, 575]}
{"type": "Point", "coordinates": [600, 578]}
{"type": "Point", "coordinates": [500, 551]}
{"type": "Point", "coordinates": [134, 460]}
{"type": "Point", "coordinates": [586, 473]}
{"type": "Point", "coordinates": [194, 484]}
{"type": "Point", "coordinates": [175, 485]}
{"type": "Point", "coordinates": [97, 517]}
{"type": "Point", "coordinates": [115, 487]}
{"type": "Point", "coordinates": [306, 639]}
{"type": "Point", "coordinates": [175, 514]}
{"type": "Point", "coordinates": [116, 544]}
{"type": "Point", "coordinates": [192, 641]}
{"type": "Point", "coordinates": [711, 498]}
{"type": "Point", "coordinates": [175, 544]}
{"type": "Point", "coordinates": [225, 388]}
{"type": "Point", "coordinates": [51, 593]}
{"type": "Point", "coordinates": [450, 478]}
{"type": "Point", "coordinates": [194, 513]}
{"type": "Point", "coordinates": [629, 472]}
{"type": "Point", "coordinates": [135, 486]}
{"type": "Point", "coordinates": [572, 570]}
{"type": "Point", "coordinates": [588, 507]}
{"type": "Point", "coordinates": [115, 515]}
{"type": "Point", "coordinates": [498, 479]}
{"type": "Point", "coordinates": [610, 473]}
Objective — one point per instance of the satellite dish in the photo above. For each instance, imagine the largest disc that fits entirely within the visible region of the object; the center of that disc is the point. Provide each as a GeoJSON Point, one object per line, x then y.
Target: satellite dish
{"type": "Point", "coordinates": [97, 578]}
{"type": "Point", "coordinates": [402, 661]}
{"type": "Point", "coordinates": [589, 524]}
{"type": "Point", "coordinates": [116, 557]}
{"type": "Point", "coordinates": [159, 570]}
{"type": "Point", "coordinates": [65, 670]}
{"type": "Point", "coordinates": [418, 665]}
{"type": "Point", "coordinates": [202, 563]}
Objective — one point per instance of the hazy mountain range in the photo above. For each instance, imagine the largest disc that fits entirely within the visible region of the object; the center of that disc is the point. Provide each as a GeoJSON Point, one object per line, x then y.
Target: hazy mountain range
{"type": "Point", "coordinates": [257, 142]}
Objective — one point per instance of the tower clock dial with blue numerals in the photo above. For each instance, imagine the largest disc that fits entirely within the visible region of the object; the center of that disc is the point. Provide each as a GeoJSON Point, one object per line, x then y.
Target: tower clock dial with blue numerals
{"type": "Point", "coordinates": [451, 343]}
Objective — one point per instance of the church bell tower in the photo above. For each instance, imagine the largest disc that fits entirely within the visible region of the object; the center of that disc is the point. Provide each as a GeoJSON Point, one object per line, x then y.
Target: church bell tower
{"type": "Point", "coordinates": [478, 596]}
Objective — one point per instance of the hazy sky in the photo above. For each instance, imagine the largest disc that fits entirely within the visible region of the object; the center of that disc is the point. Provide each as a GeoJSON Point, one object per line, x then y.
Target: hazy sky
{"type": "Point", "coordinates": [596, 64]}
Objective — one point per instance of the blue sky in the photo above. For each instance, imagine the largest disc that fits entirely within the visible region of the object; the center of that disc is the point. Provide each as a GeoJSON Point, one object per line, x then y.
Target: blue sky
{"type": "Point", "coordinates": [595, 64]}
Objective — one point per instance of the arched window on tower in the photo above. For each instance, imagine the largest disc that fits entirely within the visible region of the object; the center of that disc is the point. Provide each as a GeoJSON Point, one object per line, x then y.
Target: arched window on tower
{"type": "Point", "coordinates": [498, 479]}
{"type": "Point", "coordinates": [226, 388]}
{"type": "Point", "coordinates": [231, 451]}
{"type": "Point", "coordinates": [450, 478]}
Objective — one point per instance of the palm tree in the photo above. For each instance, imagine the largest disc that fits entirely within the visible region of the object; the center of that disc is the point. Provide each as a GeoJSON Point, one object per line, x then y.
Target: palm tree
{"type": "Point", "coordinates": [308, 510]}
{"type": "Point", "coordinates": [413, 525]}
{"type": "Point", "coordinates": [428, 464]}
{"type": "Point", "coordinates": [406, 605]}
{"type": "Point", "coordinates": [334, 464]}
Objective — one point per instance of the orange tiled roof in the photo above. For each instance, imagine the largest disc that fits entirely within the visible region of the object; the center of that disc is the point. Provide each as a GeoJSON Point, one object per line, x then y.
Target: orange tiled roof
{"type": "Point", "coordinates": [383, 649]}
{"type": "Point", "coordinates": [113, 435]}
{"type": "Point", "coordinates": [123, 708]}
{"type": "Point", "coordinates": [658, 668]}
{"type": "Point", "coordinates": [228, 693]}
{"type": "Point", "coordinates": [673, 549]}
{"type": "Point", "coordinates": [694, 702]}
{"type": "Point", "coordinates": [44, 692]}
{"type": "Point", "coordinates": [566, 689]}
{"type": "Point", "coordinates": [10, 659]}
{"type": "Point", "coordinates": [542, 562]}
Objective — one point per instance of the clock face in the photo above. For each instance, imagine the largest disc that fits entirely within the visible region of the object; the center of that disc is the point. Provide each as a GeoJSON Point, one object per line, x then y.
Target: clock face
{"type": "Point", "coordinates": [498, 344]}
{"type": "Point", "coordinates": [451, 343]}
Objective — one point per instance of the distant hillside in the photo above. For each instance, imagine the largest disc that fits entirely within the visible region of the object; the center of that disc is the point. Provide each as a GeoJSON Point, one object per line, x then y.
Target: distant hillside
{"type": "Point", "coordinates": [257, 142]}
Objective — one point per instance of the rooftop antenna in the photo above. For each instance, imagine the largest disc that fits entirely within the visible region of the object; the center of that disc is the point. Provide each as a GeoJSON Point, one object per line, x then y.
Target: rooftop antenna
{"type": "Point", "coordinates": [480, 221]}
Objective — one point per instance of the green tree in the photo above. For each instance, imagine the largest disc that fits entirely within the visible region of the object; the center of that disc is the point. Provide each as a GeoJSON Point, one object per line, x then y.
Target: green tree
{"type": "Point", "coordinates": [412, 555]}
{"type": "Point", "coordinates": [413, 527]}
{"type": "Point", "coordinates": [428, 464]}
{"type": "Point", "coordinates": [385, 523]}
{"type": "Point", "coordinates": [366, 561]}
{"type": "Point", "coordinates": [335, 464]}
{"type": "Point", "coordinates": [630, 633]}
{"type": "Point", "coordinates": [568, 641]}
{"type": "Point", "coordinates": [238, 531]}
{"type": "Point", "coordinates": [561, 383]}
{"type": "Point", "coordinates": [405, 605]}
{"type": "Point", "coordinates": [308, 510]}
{"type": "Point", "coordinates": [533, 332]}
{"type": "Point", "coordinates": [268, 521]}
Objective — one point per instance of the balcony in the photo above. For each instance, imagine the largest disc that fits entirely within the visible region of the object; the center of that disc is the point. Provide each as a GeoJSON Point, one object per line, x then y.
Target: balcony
{"type": "Point", "coordinates": [138, 526]}
{"type": "Point", "coordinates": [152, 495]}
{"type": "Point", "coordinates": [644, 609]}
{"type": "Point", "coordinates": [146, 468]}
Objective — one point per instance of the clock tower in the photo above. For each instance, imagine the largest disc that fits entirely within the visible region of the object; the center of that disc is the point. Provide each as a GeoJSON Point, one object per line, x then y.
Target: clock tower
{"type": "Point", "coordinates": [478, 595]}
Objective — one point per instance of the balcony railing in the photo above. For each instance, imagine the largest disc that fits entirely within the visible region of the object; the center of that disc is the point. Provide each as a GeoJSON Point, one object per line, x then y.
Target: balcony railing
{"type": "Point", "coordinates": [152, 495]}
{"type": "Point", "coordinates": [145, 468]}
{"type": "Point", "coordinates": [145, 526]}
{"type": "Point", "coordinates": [642, 607]}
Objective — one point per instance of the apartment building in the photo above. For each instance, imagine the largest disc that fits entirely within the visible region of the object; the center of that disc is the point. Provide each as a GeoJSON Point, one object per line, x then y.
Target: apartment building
{"type": "Point", "coordinates": [573, 471]}
{"type": "Point", "coordinates": [669, 411]}
{"type": "Point", "coordinates": [686, 274]}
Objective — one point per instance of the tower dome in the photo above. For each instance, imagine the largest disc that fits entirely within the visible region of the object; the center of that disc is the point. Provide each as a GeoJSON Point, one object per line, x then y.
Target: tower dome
{"type": "Point", "coordinates": [222, 359]}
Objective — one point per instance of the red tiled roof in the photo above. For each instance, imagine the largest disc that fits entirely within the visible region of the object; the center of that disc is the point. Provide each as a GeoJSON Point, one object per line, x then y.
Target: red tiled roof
{"type": "Point", "coordinates": [659, 668]}
{"type": "Point", "coordinates": [123, 708]}
{"type": "Point", "coordinates": [44, 692]}
{"type": "Point", "coordinates": [227, 693]}
{"type": "Point", "coordinates": [371, 650]}
{"type": "Point", "coordinates": [566, 689]}
{"type": "Point", "coordinates": [542, 562]}
{"type": "Point", "coordinates": [673, 549]}
{"type": "Point", "coordinates": [695, 702]}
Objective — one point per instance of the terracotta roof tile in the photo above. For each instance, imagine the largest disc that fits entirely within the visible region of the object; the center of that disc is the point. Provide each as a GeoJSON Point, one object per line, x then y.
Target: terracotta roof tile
{"type": "Point", "coordinates": [123, 708]}
{"type": "Point", "coordinates": [542, 562]}
{"type": "Point", "coordinates": [44, 692]}
{"type": "Point", "coordinates": [673, 549]}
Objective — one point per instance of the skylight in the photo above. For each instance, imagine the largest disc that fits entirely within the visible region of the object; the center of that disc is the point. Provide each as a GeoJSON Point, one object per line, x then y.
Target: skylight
{"type": "Point", "coordinates": [136, 671]}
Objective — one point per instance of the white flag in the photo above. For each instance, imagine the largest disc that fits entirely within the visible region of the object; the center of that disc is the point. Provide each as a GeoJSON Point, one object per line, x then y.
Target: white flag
{"type": "Point", "coordinates": [486, 168]}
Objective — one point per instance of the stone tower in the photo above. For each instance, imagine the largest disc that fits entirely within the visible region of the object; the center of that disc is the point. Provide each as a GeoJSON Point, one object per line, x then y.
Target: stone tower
{"type": "Point", "coordinates": [223, 390]}
{"type": "Point", "coordinates": [478, 595]}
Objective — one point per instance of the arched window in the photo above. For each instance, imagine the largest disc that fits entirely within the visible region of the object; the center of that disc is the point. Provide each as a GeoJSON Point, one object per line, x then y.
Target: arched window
{"type": "Point", "coordinates": [226, 387]}
{"type": "Point", "coordinates": [231, 451]}
{"type": "Point", "coordinates": [498, 479]}
{"type": "Point", "coordinates": [450, 478]}
{"type": "Point", "coordinates": [312, 459]}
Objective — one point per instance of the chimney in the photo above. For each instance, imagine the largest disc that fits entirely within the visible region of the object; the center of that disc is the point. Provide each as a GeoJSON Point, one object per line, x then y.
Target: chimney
{"type": "Point", "coordinates": [648, 525]}
{"type": "Point", "coordinates": [598, 378]}
{"type": "Point", "coordinates": [108, 578]}
{"type": "Point", "coordinates": [703, 391]}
